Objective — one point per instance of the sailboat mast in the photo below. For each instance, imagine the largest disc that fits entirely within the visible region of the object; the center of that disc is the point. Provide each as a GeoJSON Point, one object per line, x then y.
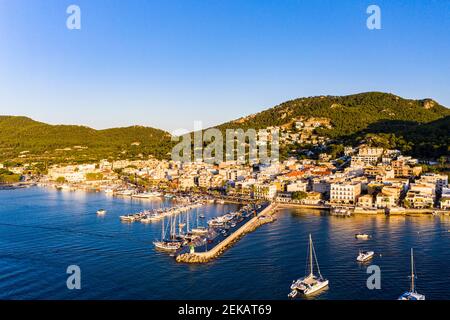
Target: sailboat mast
{"type": "Point", "coordinates": [310, 255]}
{"type": "Point", "coordinates": [162, 230]}
{"type": "Point", "coordinates": [412, 270]}
{"type": "Point", "coordinates": [187, 222]}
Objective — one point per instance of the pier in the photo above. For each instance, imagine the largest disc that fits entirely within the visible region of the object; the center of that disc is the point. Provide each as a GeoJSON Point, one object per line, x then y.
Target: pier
{"type": "Point", "coordinates": [263, 217]}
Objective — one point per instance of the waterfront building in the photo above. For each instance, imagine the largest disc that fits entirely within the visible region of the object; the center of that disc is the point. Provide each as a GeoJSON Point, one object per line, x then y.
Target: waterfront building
{"type": "Point", "coordinates": [365, 201]}
{"type": "Point", "coordinates": [385, 200]}
{"type": "Point", "coordinates": [345, 192]}
{"type": "Point", "coordinates": [264, 191]}
{"type": "Point", "coordinates": [418, 200]}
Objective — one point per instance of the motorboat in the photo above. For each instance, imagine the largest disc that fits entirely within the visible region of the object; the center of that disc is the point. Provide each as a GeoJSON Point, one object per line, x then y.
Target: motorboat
{"type": "Point", "coordinates": [364, 256]}
{"type": "Point", "coordinates": [167, 245]}
{"type": "Point", "coordinates": [101, 211]}
{"type": "Point", "coordinates": [363, 236]}
{"type": "Point", "coordinates": [128, 218]}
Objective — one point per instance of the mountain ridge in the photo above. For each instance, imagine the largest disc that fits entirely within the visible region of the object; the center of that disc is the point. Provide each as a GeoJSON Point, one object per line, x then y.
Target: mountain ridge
{"type": "Point", "coordinates": [352, 117]}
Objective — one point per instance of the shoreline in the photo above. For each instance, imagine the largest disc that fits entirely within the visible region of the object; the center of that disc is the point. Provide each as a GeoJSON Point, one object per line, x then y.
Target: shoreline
{"type": "Point", "coordinates": [380, 211]}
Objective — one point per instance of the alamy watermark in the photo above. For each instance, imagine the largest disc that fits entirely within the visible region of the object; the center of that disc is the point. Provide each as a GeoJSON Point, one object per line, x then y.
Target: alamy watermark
{"type": "Point", "coordinates": [374, 20]}
{"type": "Point", "coordinates": [74, 280]}
{"type": "Point", "coordinates": [374, 280]}
{"type": "Point", "coordinates": [73, 21]}
{"type": "Point", "coordinates": [210, 146]}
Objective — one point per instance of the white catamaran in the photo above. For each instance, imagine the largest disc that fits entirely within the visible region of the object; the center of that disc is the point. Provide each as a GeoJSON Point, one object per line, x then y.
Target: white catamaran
{"type": "Point", "coordinates": [311, 283]}
{"type": "Point", "coordinates": [412, 294]}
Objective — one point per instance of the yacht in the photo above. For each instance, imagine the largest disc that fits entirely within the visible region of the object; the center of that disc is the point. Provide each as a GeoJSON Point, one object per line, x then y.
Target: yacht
{"type": "Point", "coordinates": [124, 192]}
{"type": "Point", "coordinates": [412, 294]}
{"type": "Point", "coordinates": [128, 217]}
{"type": "Point", "coordinates": [311, 283]}
{"type": "Point", "coordinates": [167, 245]}
{"type": "Point", "coordinates": [365, 256]}
{"type": "Point", "coordinates": [199, 230]}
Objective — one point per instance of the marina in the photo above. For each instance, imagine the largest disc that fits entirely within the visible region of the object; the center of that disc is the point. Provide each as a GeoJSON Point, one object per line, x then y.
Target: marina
{"type": "Point", "coordinates": [119, 260]}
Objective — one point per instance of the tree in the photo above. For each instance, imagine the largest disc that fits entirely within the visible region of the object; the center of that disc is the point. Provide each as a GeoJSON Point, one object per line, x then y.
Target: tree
{"type": "Point", "coordinates": [299, 195]}
{"type": "Point", "coordinates": [61, 180]}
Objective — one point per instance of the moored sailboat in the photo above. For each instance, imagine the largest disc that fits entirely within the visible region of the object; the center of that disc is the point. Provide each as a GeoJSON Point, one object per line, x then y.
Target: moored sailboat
{"type": "Point", "coordinates": [412, 294]}
{"type": "Point", "coordinates": [166, 245]}
{"type": "Point", "coordinates": [311, 283]}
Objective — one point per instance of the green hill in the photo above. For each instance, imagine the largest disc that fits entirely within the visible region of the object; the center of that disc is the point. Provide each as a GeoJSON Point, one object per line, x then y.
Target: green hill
{"type": "Point", "coordinates": [413, 125]}
{"type": "Point", "coordinates": [37, 140]}
{"type": "Point", "coordinates": [418, 127]}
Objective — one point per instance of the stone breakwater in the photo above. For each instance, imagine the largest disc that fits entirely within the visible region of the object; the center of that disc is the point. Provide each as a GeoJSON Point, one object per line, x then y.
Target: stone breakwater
{"type": "Point", "coordinates": [265, 216]}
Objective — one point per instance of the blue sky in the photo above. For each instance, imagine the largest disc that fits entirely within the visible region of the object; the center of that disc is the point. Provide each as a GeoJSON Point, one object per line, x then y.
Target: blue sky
{"type": "Point", "coordinates": [167, 63]}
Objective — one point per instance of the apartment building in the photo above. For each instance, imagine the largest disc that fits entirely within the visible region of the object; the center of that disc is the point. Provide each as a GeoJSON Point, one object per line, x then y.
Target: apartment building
{"type": "Point", "coordinates": [345, 192]}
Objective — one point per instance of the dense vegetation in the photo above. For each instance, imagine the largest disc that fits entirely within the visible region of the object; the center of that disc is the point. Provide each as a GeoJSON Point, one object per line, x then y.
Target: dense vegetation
{"type": "Point", "coordinates": [21, 136]}
{"type": "Point", "coordinates": [418, 127]}
{"type": "Point", "coordinates": [8, 177]}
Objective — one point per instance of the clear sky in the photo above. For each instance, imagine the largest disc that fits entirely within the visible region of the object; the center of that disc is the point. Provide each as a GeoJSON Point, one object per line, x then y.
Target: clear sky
{"type": "Point", "coordinates": [167, 63]}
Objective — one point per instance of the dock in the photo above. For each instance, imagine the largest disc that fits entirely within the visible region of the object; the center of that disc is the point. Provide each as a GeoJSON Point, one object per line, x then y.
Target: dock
{"type": "Point", "coordinates": [265, 216]}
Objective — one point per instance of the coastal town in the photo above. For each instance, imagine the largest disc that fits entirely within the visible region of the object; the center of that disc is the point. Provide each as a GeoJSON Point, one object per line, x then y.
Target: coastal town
{"type": "Point", "coordinates": [366, 180]}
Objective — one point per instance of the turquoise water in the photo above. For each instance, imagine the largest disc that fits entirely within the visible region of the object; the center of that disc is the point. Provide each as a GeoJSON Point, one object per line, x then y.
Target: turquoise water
{"type": "Point", "coordinates": [44, 231]}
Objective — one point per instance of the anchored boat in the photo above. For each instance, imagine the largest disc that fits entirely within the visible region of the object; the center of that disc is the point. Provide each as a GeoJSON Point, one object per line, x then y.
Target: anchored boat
{"type": "Point", "coordinates": [311, 283]}
{"type": "Point", "coordinates": [363, 236]}
{"type": "Point", "coordinates": [412, 294]}
{"type": "Point", "coordinates": [167, 245]}
{"type": "Point", "coordinates": [365, 256]}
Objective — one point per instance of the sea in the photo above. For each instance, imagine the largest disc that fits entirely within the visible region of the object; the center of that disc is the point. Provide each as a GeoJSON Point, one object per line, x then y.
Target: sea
{"type": "Point", "coordinates": [44, 231]}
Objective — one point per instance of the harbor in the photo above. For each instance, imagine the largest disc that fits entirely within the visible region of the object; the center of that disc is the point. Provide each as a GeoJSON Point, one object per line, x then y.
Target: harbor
{"type": "Point", "coordinates": [119, 260]}
{"type": "Point", "coordinates": [259, 218]}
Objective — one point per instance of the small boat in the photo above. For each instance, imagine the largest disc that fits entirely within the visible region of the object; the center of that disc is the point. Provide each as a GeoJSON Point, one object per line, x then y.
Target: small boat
{"type": "Point", "coordinates": [362, 236]}
{"type": "Point", "coordinates": [311, 283]}
{"type": "Point", "coordinates": [146, 219]}
{"type": "Point", "coordinates": [128, 217]}
{"type": "Point", "coordinates": [233, 225]}
{"type": "Point", "coordinates": [167, 245]}
{"type": "Point", "coordinates": [202, 216]}
{"type": "Point", "coordinates": [412, 294]}
{"type": "Point", "coordinates": [199, 230]}
{"type": "Point", "coordinates": [125, 192]}
{"type": "Point", "coordinates": [365, 256]}
{"type": "Point", "coordinates": [101, 211]}
{"type": "Point", "coordinates": [293, 294]}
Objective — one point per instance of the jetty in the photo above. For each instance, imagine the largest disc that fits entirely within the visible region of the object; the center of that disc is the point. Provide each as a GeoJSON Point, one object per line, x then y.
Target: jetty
{"type": "Point", "coordinates": [263, 217]}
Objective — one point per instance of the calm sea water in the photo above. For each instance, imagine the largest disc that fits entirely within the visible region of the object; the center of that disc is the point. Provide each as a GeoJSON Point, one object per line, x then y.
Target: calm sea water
{"type": "Point", "coordinates": [44, 231]}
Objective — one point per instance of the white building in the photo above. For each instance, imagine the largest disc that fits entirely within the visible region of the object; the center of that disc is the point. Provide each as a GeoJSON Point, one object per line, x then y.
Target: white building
{"type": "Point", "coordinates": [345, 192]}
{"type": "Point", "coordinates": [265, 191]}
{"type": "Point", "coordinates": [297, 186]}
